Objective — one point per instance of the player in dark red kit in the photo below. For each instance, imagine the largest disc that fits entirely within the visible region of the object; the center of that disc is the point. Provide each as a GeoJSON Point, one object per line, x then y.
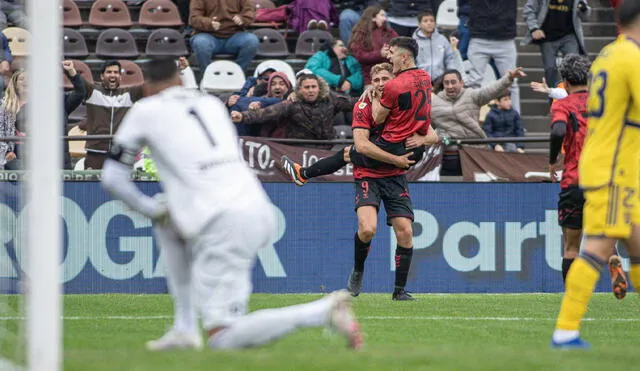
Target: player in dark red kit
{"type": "Point", "coordinates": [404, 107]}
{"type": "Point", "coordinates": [568, 130]}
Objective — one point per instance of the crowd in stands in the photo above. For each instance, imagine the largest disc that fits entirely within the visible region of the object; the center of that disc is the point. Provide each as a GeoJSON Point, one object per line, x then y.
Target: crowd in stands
{"type": "Point", "coordinates": [343, 39]}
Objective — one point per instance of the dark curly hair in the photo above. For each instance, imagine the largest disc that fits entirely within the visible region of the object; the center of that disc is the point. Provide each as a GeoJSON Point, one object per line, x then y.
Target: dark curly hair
{"type": "Point", "coordinates": [575, 69]}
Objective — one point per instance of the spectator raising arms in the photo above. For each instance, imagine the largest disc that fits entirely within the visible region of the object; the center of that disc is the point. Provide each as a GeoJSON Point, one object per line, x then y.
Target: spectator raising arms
{"type": "Point", "coordinates": [15, 97]}
{"type": "Point", "coordinates": [220, 28]}
{"type": "Point", "coordinates": [341, 71]}
{"type": "Point", "coordinates": [369, 40]}
{"type": "Point", "coordinates": [71, 101]}
{"type": "Point", "coordinates": [106, 104]}
{"type": "Point", "coordinates": [277, 88]}
{"type": "Point", "coordinates": [456, 109]}
{"type": "Point", "coordinates": [309, 116]}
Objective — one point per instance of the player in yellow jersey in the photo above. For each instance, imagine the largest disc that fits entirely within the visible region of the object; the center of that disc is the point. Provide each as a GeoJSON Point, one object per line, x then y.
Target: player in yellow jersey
{"type": "Point", "coordinates": [609, 173]}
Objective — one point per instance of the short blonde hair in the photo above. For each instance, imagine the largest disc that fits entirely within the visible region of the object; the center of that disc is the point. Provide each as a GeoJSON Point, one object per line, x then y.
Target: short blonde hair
{"type": "Point", "coordinates": [382, 67]}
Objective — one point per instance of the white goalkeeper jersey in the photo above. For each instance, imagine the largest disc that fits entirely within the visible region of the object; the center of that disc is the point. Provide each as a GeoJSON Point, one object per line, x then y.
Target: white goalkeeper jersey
{"type": "Point", "coordinates": [195, 147]}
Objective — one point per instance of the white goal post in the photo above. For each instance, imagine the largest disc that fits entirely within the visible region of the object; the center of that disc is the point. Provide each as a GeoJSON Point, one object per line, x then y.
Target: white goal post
{"type": "Point", "coordinates": [44, 151]}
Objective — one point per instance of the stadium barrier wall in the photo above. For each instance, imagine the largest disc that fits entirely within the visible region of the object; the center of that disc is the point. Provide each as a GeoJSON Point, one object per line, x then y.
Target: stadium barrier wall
{"type": "Point", "coordinates": [469, 238]}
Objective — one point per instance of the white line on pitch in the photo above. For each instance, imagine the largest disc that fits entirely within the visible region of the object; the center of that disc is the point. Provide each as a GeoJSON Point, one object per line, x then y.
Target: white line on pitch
{"type": "Point", "coordinates": [379, 318]}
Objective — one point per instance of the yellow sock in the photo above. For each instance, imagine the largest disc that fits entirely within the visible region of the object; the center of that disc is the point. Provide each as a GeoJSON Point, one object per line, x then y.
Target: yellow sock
{"type": "Point", "coordinates": [634, 274]}
{"type": "Point", "coordinates": [581, 280]}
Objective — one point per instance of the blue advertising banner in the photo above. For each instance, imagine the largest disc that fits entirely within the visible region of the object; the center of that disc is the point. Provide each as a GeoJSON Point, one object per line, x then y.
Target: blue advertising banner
{"type": "Point", "coordinates": [469, 237]}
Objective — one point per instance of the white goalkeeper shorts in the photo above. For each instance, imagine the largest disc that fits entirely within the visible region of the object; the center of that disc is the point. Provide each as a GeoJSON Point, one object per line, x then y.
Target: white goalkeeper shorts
{"type": "Point", "coordinates": [224, 254]}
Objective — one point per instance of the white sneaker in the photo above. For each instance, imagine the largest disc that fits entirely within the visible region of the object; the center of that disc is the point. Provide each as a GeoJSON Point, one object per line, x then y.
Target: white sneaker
{"type": "Point", "coordinates": [175, 340]}
{"type": "Point", "coordinates": [343, 320]}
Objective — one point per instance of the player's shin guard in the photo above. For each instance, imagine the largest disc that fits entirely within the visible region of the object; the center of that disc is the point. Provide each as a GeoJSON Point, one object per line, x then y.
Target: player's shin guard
{"type": "Point", "coordinates": [581, 281]}
{"type": "Point", "coordinates": [361, 251]}
{"type": "Point", "coordinates": [634, 273]}
{"type": "Point", "coordinates": [403, 263]}
{"type": "Point", "coordinates": [566, 264]}
{"type": "Point", "coordinates": [325, 166]}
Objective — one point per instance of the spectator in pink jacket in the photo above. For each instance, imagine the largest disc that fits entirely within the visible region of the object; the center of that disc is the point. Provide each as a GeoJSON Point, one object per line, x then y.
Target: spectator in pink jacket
{"type": "Point", "coordinates": [370, 38]}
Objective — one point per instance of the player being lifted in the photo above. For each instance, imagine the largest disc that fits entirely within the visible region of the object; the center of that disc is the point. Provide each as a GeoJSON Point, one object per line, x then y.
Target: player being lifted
{"type": "Point", "coordinates": [380, 157]}
{"type": "Point", "coordinates": [568, 130]}
{"type": "Point", "coordinates": [212, 197]}
{"type": "Point", "coordinates": [404, 107]}
{"type": "Point", "coordinates": [609, 171]}
{"type": "Point", "coordinates": [380, 74]}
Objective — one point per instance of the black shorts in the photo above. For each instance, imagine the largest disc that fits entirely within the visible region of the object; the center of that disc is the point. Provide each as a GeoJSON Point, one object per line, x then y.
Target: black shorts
{"type": "Point", "coordinates": [393, 191]}
{"type": "Point", "coordinates": [397, 149]}
{"type": "Point", "coordinates": [570, 206]}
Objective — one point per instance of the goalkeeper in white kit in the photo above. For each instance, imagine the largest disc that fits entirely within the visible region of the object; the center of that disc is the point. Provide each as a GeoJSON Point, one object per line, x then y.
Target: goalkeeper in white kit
{"type": "Point", "coordinates": [210, 222]}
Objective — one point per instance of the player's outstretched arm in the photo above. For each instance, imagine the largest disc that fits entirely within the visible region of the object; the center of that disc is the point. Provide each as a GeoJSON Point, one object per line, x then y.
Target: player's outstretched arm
{"type": "Point", "coordinates": [368, 149]}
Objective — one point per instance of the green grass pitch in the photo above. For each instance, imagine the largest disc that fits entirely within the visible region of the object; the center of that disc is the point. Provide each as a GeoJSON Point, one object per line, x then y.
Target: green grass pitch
{"type": "Point", "coordinates": [436, 332]}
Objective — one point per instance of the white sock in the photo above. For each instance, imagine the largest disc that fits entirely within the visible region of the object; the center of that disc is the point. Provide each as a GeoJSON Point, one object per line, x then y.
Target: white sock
{"type": "Point", "coordinates": [263, 326]}
{"type": "Point", "coordinates": [562, 336]}
{"type": "Point", "coordinates": [177, 262]}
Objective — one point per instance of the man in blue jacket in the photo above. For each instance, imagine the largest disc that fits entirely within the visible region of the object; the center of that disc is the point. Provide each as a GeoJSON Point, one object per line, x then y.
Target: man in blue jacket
{"type": "Point", "coordinates": [340, 70]}
{"type": "Point", "coordinates": [502, 122]}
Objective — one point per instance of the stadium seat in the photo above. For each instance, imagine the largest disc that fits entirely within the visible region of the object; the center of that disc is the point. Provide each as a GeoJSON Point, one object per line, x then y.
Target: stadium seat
{"type": "Point", "coordinates": [71, 14]}
{"type": "Point", "coordinates": [310, 41]}
{"type": "Point", "coordinates": [166, 42]}
{"type": "Point", "coordinates": [272, 43]}
{"type": "Point", "coordinates": [159, 13]}
{"type": "Point", "coordinates": [18, 40]}
{"type": "Point", "coordinates": [448, 15]}
{"type": "Point", "coordinates": [110, 13]}
{"type": "Point", "coordinates": [280, 66]}
{"type": "Point", "coordinates": [221, 76]}
{"type": "Point", "coordinates": [83, 69]}
{"type": "Point", "coordinates": [130, 75]}
{"type": "Point", "coordinates": [74, 44]}
{"type": "Point", "coordinates": [264, 4]}
{"type": "Point", "coordinates": [116, 43]}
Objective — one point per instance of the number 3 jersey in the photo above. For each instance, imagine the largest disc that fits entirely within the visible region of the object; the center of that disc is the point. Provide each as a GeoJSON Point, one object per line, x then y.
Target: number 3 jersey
{"type": "Point", "coordinates": [611, 153]}
{"type": "Point", "coordinates": [195, 147]}
{"type": "Point", "coordinates": [408, 97]}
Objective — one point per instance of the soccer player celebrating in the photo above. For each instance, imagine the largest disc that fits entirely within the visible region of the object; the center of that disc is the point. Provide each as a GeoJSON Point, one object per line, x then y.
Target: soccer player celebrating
{"type": "Point", "coordinates": [568, 130]}
{"type": "Point", "coordinates": [405, 108]}
{"type": "Point", "coordinates": [609, 170]}
{"type": "Point", "coordinates": [380, 74]}
{"type": "Point", "coordinates": [211, 196]}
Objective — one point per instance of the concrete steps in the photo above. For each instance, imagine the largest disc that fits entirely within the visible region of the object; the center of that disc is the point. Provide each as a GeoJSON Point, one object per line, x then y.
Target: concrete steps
{"type": "Point", "coordinates": [599, 31]}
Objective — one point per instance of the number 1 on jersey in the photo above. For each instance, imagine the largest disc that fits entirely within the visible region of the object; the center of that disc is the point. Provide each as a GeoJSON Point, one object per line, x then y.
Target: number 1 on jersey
{"type": "Point", "coordinates": [197, 117]}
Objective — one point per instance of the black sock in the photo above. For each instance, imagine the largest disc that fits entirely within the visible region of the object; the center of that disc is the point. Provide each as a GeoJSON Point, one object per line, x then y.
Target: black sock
{"type": "Point", "coordinates": [361, 251]}
{"type": "Point", "coordinates": [325, 166]}
{"type": "Point", "coordinates": [403, 263]}
{"type": "Point", "coordinates": [566, 264]}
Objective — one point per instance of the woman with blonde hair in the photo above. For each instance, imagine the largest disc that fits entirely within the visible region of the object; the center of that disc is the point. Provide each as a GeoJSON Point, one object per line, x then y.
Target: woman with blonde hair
{"type": "Point", "coordinates": [370, 38]}
{"type": "Point", "coordinates": [15, 97]}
